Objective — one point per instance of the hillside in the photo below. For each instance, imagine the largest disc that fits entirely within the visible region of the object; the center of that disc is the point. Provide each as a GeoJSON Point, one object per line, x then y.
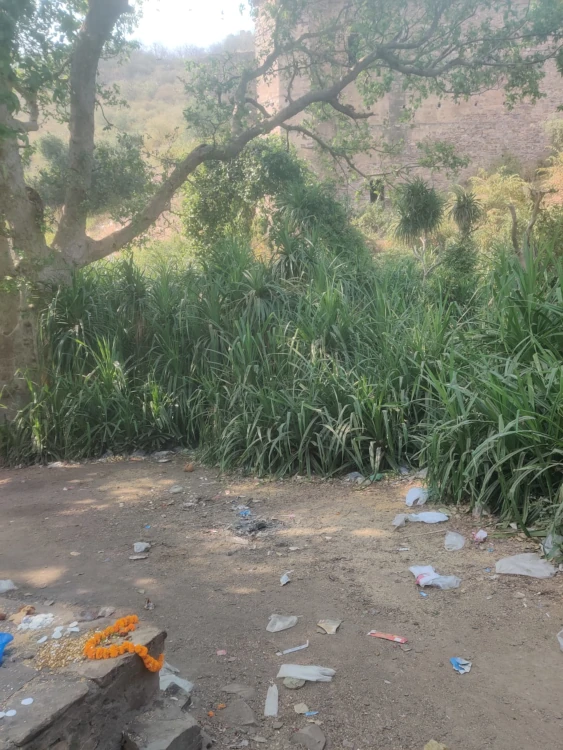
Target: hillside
{"type": "Point", "coordinates": [150, 82]}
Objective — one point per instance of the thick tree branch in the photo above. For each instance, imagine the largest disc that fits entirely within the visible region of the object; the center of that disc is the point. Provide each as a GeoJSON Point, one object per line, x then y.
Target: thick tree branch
{"type": "Point", "coordinates": [100, 20]}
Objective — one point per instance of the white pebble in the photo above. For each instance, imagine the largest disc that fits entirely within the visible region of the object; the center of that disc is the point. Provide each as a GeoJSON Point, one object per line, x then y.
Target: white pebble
{"type": "Point", "coordinates": [42, 640]}
{"type": "Point", "coordinates": [73, 624]}
{"type": "Point", "coordinates": [27, 701]}
{"type": "Point", "coordinates": [11, 712]}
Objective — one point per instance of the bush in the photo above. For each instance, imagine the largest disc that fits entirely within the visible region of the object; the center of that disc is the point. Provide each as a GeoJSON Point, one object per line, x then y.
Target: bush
{"type": "Point", "coordinates": [317, 358]}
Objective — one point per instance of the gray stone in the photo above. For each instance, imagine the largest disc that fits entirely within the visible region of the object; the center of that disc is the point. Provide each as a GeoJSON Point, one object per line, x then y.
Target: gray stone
{"type": "Point", "coordinates": [277, 724]}
{"type": "Point", "coordinates": [238, 714]}
{"type": "Point", "coordinates": [164, 734]}
{"type": "Point", "coordinates": [293, 683]}
{"type": "Point", "coordinates": [243, 691]}
{"type": "Point", "coordinates": [310, 737]}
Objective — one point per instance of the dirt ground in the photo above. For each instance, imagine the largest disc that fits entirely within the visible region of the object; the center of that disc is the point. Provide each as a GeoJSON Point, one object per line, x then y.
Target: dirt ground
{"type": "Point", "coordinates": [67, 533]}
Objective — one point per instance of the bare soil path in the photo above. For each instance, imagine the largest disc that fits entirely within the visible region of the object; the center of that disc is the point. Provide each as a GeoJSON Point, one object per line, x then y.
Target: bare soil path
{"type": "Point", "coordinates": [66, 534]}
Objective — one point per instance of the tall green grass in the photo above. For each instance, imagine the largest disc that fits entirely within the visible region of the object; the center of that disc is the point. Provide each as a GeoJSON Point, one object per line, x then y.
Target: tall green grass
{"type": "Point", "coordinates": [319, 359]}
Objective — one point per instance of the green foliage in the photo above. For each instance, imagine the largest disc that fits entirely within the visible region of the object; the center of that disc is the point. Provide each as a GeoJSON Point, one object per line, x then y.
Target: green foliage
{"type": "Point", "coordinates": [465, 209]}
{"type": "Point", "coordinates": [121, 178]}
{"type": "Point", "coordinates": [420, 209]}
{"type": "Point", "coordinates": [311, 361]}
{"type": "Point", "coordinates": [224, 198]}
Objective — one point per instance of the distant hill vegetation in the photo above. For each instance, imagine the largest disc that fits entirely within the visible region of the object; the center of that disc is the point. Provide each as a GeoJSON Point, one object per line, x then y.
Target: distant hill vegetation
{"type": "Point", "coordinates": [150, 82]}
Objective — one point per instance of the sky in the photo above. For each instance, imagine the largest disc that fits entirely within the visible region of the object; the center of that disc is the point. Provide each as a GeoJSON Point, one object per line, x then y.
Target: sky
{"type": "Point", "coordinates": [176, 23]}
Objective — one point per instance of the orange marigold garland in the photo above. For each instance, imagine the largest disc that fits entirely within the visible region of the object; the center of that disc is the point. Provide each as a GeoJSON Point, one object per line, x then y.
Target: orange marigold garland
{"type": "Point", "coordinates": [121, 627]}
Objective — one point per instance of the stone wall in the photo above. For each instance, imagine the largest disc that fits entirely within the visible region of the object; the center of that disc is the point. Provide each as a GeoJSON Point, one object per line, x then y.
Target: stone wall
{"type": "Point", "coordinates": [482, 128]}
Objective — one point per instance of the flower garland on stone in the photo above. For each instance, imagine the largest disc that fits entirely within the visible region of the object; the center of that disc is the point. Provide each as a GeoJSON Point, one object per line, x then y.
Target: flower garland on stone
{"type": "Point", "coordinates": [121, 627]}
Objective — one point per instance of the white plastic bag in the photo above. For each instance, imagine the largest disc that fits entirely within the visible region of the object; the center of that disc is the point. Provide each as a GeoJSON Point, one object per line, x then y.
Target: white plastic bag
{"type": "Point", "coordinates": [426, 576]}
{"type": "Point", "coordinates": [280, 622]}
{"type": "Point", "coordinates": [416, 496]}
{"type": "Point", "coordinates": [526, 564]}
{"type": "Point", "coordinates": [271, 705]}
{"type": "Point", "coordinates": [427, 516]}
{"type": "Point", "coordinates": [310, 673]}
{"type": "Point", "coordinates": [7, 585]}
{"type": "Point", "coordinates": [454, 541]}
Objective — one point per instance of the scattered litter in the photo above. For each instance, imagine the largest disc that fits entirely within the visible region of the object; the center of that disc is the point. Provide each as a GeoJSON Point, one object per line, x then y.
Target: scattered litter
{"type": "Point", "coordinates": [310, 737]}
{"type": "Point", "coordinates": [309, 673]}
{"type": "Point", "coordinates": [75, 554]}
{"type": "Point", "coordinates": [245, 513]}
{"type": "Point", "coordinates": [221, 652]}
{"type": "Point", "coordinates": [387, 636]}
{"type": "Point", "coordinates": [404, 470]}
{"type": "Point", "coordinates": [189, 467]}
{"type": "Point", "coordinates": [49, 603]}
{"type": "Point", "coordinates": [7, 585]}
{"type": "Point", "coordinates": [72, 630]}
{"type": "Point", "coordinates": [57, 633]}
{"type": "Point", "coordinates": [141, 547]}
{"type": "Point", "coordinates": [17, 618]}
{"type": "Point", "coordinates": [423, 593]}
{"type": "Point", "coordinates": [243, 691]}
{"type": "Point", "coordinates": [168, 676]}
{"type": "Point", "coordinates": [293, 650]}
{"type": "Point", "coordinates": [221, 706]}
{"type": "Point", "coordinates": [260, 740]}
{"type": "Point", "coordinates": [149, 605]}
{"type": "Point", "coordinates": [416, 496]}
{"type": "Point", "coordinates": [138, 557]}
{"type": "Point", "coordinates": [27, 701]}
{"type": "Point", "coordinates": [403, 549]}
{"type": "Point", "coordinates": [479, 536]}
{"type": "Point", "coordinates": [552, 545]}
{"type": "Point", "coordinates": [354, 476]}
{"type": "Point", "coordinates": [36, 622]}
{"type": "Point", "coordinates": [285, 579]}
{"type": "Point", "coordinates": [433, 745]}
{"type": "Point", "coordinates": [526, 564]}
{"type": "Point", "coordinates": [454, 541]}
{"type": "Point", "coordinates": [280, 622]}
{"type": "Point", "coordinates": [311, 713]}
{"type": "Point", "coordinates": [11, 712]}
{"type": "Point", "coordinates": [460, 665]}
{"type": "Point", "coordinates": [176, 489]}
{"type": "Point", "coordinates": [560, 639]}
{"type": "Point", "coordinates": [242, 743]}
{"type": "Point", "coordinates": [429, 516]}
{"type": "Point", "coordinates": [42, 640]}
{"type": "Point", "coordinates": [426, 576]}
{"type": "Point", "coordinates": [329, 626]}
{"type": "Point", "coordinates": [294, 549]}
{"type": "Point", "coordinates": [271, 705]}
{"type": "Point", "coordinates": [238, 713]}
{"type": "Point", "coordinates": [293, 683]}
{"type": "Point", "coordinates": [5, 638]}
{"type": "Point", "coordinates": [300, 708]}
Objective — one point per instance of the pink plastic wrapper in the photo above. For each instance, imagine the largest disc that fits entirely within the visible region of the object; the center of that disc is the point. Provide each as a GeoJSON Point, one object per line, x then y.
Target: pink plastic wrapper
{"type": "Point", "coordinates": [387, 636]}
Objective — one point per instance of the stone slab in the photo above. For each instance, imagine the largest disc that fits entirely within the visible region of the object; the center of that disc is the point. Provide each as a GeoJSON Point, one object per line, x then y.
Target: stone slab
{"type": "Point", "coordinates": [164, 734]}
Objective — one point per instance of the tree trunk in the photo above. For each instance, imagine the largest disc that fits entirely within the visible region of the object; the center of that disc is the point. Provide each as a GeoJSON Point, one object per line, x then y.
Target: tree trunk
{"type": "Point", "coordinates": [17, 335]}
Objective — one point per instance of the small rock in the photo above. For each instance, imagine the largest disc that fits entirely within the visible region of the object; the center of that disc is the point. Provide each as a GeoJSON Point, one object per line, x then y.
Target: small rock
{"type": "Point", "coordinates": [277, 724]}
{"type": "Point", "coordinates": [433, 745]}
{"type": "Point", "coordinates": [300, 708]}
{"type": "Point", "coordinates": [259, 739]}
{"type": "Point", "coordinates": [176, 489]}
{"type": "Point", "coordinates": [243, 691]}
{"type": "Point", "coordinates": [347, 743]}
{"type": "Point", "coordinates": [293, 683]}
{"type": "Point", "coordinates": [189, 467]}
{"type": "Point", "coordinates": [310, 737]}
{"type": "Point", "coordinates": [140, 591]}
{"type": "Point", "coordinates": [141, 547]}
{"type": "Point", "coordinates": [138, 557]}
{"type": "Point", "coordinates": [50, 603]}
{"type": "Point", "coordinates": [106, 612]}
{"type": "Point", "coordinates": [238, 714]}
{"type": "Point", "coordinates": [519, 595]}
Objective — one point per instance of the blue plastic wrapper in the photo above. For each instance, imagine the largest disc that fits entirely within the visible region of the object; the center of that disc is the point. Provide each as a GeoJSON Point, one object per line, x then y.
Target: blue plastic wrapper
{"type": "Point", "coordinates": [5, 638]}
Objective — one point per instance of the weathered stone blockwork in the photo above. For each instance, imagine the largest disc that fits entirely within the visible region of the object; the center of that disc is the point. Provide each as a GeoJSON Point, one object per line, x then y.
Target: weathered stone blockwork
{"type": "Point", "coordinates": [482, 128]}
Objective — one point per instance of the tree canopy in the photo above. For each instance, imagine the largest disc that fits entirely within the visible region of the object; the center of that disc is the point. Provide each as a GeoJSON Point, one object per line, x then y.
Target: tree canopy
{"type": "Point", "coordinates": [50, 51]}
